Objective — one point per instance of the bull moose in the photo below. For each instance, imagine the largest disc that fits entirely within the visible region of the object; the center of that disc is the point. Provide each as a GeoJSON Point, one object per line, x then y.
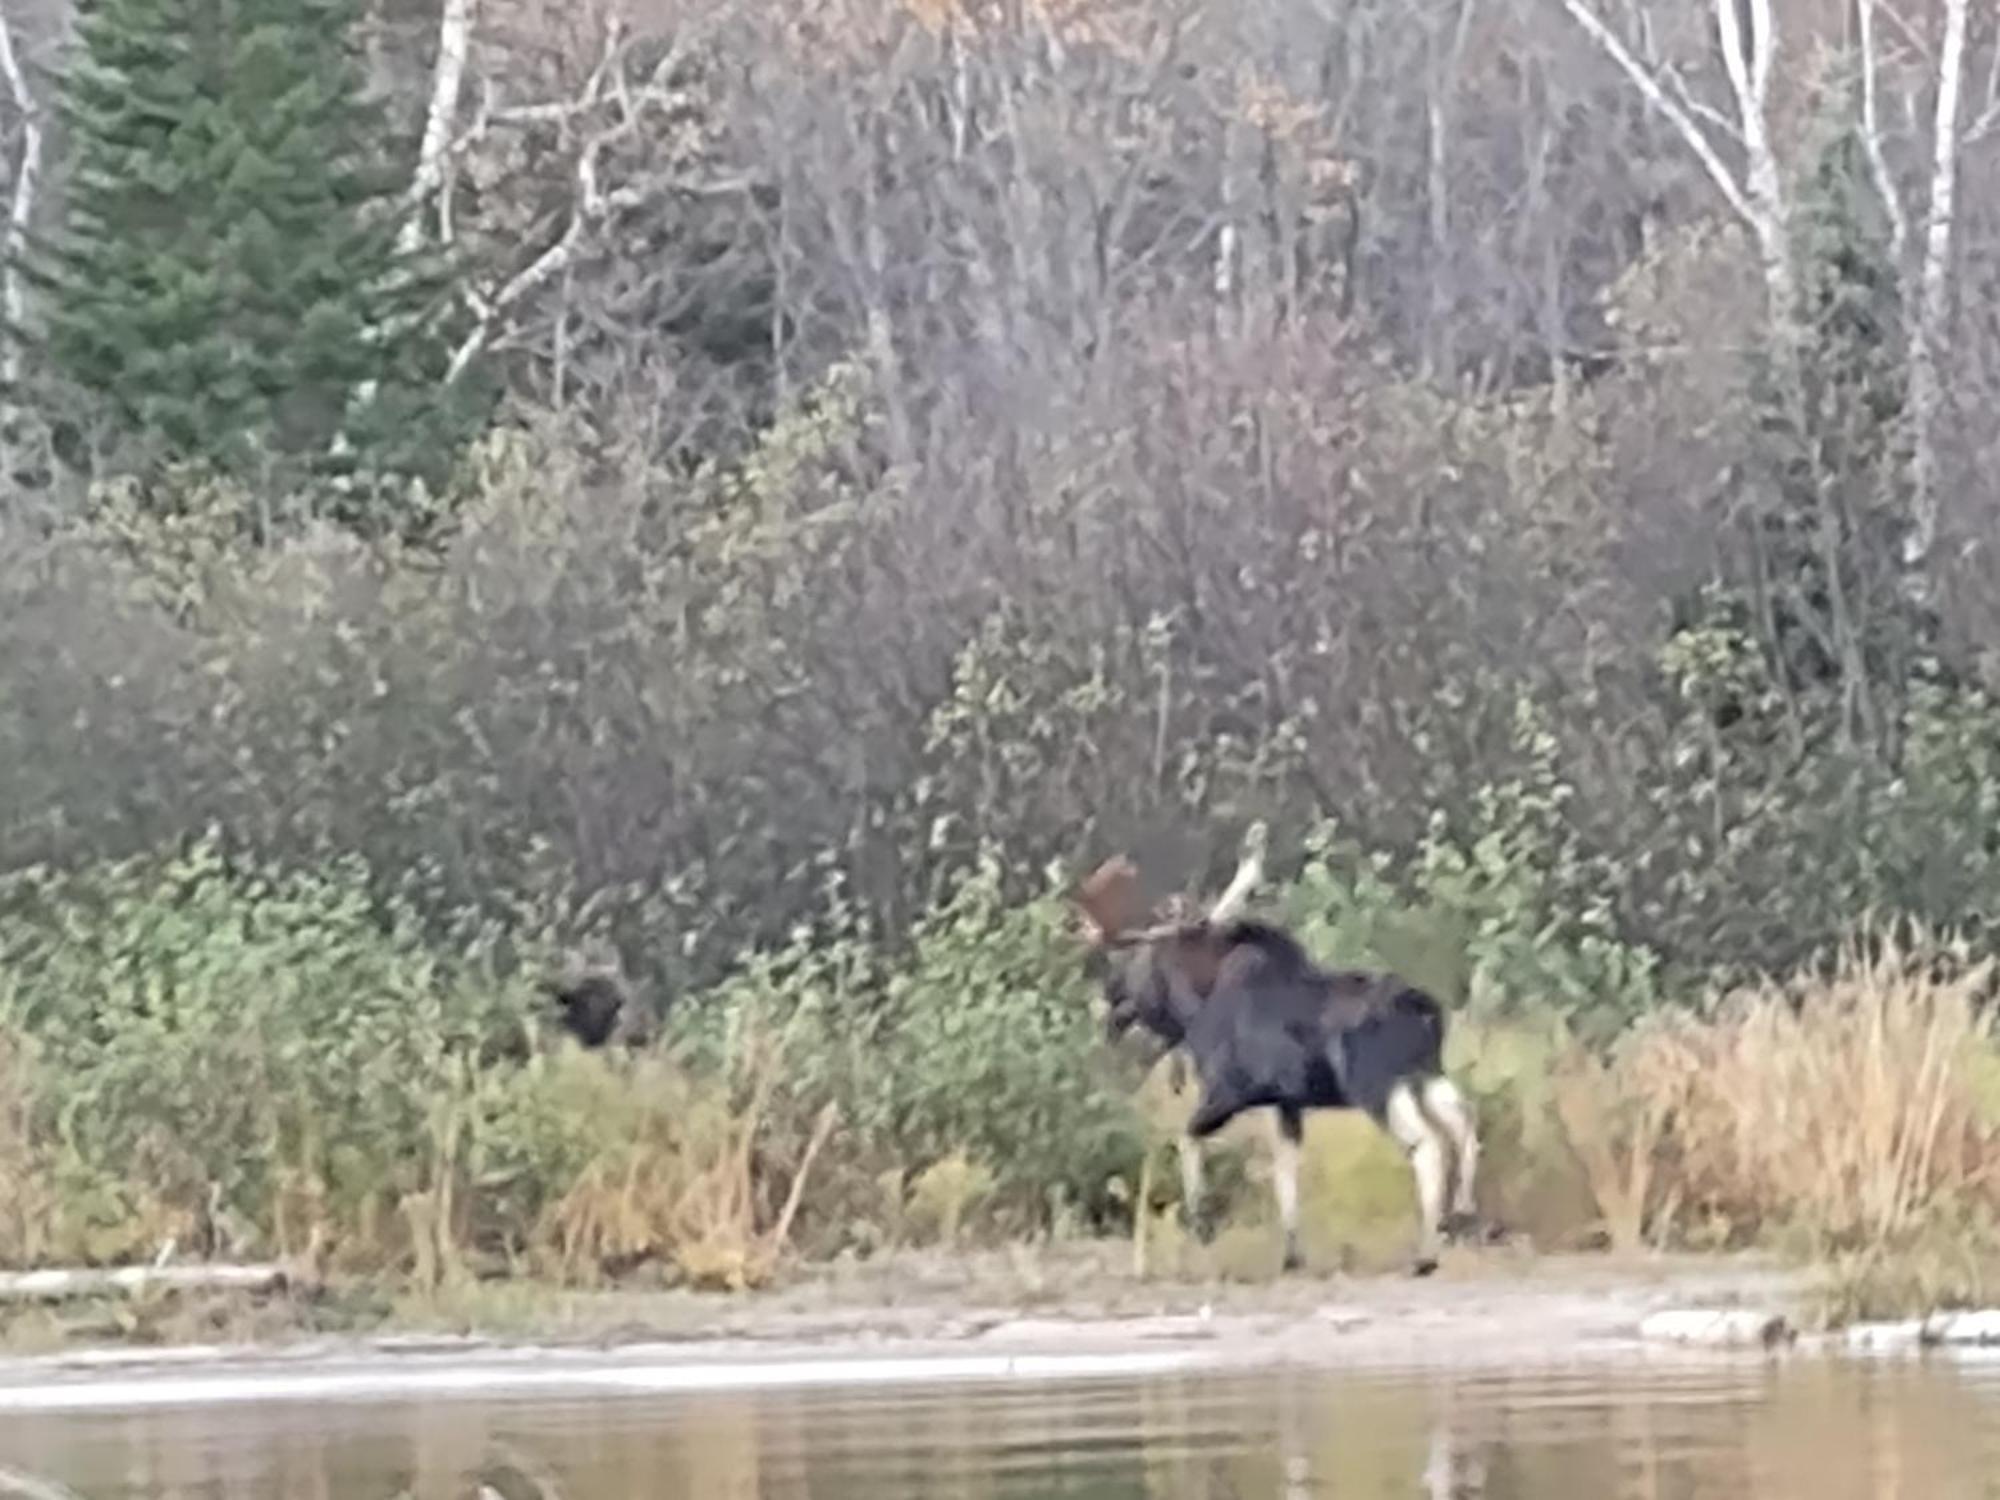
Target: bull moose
{"type": "Point", "coordinates": [1266, 1027]}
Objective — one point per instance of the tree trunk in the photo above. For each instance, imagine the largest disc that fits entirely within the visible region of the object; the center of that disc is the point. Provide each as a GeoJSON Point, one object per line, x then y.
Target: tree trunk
{"type": "Point", "coordinates": [21, 210]}
{"type": "Point", "coordinates": [1933, 304]}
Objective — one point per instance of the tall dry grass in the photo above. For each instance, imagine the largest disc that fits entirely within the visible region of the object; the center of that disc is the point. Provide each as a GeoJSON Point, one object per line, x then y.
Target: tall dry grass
{"type": "Point", "coordinates": [1839, 1108]}
{"type": "Point", "coordinates": [679, 1170]}
{"type": "Point", "coordinates": [1619, 1136]}
{"type": "Point", "coordinates": [23, 1187]}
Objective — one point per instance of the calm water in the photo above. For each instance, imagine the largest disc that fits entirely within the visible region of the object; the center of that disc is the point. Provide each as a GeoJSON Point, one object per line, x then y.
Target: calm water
{"type": "Point", "coordinates": [1794, 1430]}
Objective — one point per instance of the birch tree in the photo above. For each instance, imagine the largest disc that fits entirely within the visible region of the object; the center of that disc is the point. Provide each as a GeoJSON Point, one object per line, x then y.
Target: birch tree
{"type": "Point", "coordinates": [1933, 296]}
{"type": "Point", "coordinates": [1747, 41]}
{"type": "Point", "coordinates": [21, 204]}
{"type": "Point", "coordinates": [1746, 35]}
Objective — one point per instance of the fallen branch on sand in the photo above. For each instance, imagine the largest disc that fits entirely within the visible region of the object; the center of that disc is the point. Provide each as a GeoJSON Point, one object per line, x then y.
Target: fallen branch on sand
{"type": "Point", "coordinates": [95, 1281]}
{"type": "Point", "coordinates": [30, 1487]}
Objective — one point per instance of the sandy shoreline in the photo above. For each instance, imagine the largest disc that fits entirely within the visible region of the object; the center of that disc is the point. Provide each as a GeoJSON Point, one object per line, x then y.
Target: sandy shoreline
{"type": "Point", "coordinates": [887, 1328]}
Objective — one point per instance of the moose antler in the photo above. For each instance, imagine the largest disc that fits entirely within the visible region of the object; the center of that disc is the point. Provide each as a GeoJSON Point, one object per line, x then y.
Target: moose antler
{"type": "Point", "coordinates": [1249, 875]}
{"type": "Point", "coordinates": [1228, 906]}
{"type": "Point", "coordinates": [1109, 899]}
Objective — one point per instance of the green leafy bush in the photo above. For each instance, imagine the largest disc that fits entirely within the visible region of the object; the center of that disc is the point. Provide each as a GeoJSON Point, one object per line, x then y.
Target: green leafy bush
{"type": "Point", "coordinates": [265, 1052]}
{"type": "Point", "coordinates": [1503, 913]}
{"type": "Point", "coordinates": [989, 1042]}
{"type": "Point", "coordinates": [977, 1038]}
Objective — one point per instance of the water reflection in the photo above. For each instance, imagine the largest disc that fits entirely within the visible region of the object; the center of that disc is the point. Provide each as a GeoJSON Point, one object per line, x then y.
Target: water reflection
{"type": "Point", "coordinates": [1799, 1430]}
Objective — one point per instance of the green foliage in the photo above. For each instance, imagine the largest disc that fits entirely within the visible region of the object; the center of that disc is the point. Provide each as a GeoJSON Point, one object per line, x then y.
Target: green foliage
{"type": "Point", "coordinates": [988, 1040]}
{"type": "Point", "coordinates": [1562, 698]}
{"type": "Point", "coordinates": [227, 277]}
{"type": "Point", "coordinates": [1505, 913]}
{"type": "Point", "coordinates": [1048, 743]}
{"type": "Point", "coordinates": [256, 1062]}
{"type": "Point", "coordinates": [977, 1039]}
{"type": "Point", "coordinates": [274, 1062]}
{"type": "Point", "coordinates": [1712, 857]}
{"type": "Point", "coordinates": [805, 765]}
{"type": "Point", "coordinates": [256, 1048]}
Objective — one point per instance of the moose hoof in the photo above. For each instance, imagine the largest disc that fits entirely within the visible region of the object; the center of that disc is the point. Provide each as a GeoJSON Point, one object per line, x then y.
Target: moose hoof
{"type": "Point", "coordinates": [1293, 1261]}
{"type": "Point", "coordinates": [1425, 1264]}
{"type": "Point", "coordinates": [1462, 1228]}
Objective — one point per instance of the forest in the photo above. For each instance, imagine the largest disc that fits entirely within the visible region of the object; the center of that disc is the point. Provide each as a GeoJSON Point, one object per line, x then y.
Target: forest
{"type": "Point", "coordinates": [764, 494]}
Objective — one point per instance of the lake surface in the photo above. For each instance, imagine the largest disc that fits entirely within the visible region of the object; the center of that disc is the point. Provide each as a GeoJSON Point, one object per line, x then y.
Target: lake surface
{"type": "Point", "coordinates": [1791, 1429]}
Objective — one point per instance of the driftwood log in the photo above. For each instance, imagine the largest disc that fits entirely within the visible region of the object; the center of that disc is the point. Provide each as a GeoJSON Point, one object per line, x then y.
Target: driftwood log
{"type": "Point", "coordinates": [55, 1285]}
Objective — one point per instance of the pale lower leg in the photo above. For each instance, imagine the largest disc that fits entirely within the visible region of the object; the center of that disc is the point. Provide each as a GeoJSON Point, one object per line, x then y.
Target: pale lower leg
{"type": "Point", "coordinates": [1190, 1153]}
{"type": "Point", "coordinates": [1419, 1139]}
{"type": "Point", "coordinates": [1447, 1106]}
{"type": "Point", "coordinates": [1285, 1144]}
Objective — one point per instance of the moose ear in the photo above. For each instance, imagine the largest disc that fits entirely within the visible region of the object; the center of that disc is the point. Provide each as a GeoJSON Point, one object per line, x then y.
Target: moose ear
{"type": "Point", "coordinates": [1109, 899]}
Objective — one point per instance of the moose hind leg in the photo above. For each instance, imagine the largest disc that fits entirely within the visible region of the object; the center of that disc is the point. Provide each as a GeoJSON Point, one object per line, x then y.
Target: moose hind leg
{"type": "Point", "coordinates": [1446, 1106]}
{"type": "Point", "coordinates": [1405, 1119]}
{"type": "Point", "coordinates": [1193, 1214]}
{"type": "Point", "coordinates": [1287, 1136]}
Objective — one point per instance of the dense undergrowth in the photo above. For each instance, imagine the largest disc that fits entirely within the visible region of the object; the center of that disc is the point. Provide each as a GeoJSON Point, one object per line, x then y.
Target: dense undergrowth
{"type": "Point", "coordinates": [234, 1060]}
{"type": "Point", "coordinates": [816, 739]}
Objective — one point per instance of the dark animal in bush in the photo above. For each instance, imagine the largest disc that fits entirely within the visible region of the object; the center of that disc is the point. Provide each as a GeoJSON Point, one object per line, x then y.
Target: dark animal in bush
{"type": "Point", "coordinates": [595, 1004]}
{"type": "Point", "coordinates": [1266, 1027]}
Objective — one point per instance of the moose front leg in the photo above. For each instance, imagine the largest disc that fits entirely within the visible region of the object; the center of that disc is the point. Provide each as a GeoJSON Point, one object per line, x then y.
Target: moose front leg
{"type": "Point", "coordinates": [1194, 1210]}
{"type": "Point", "coordinates": [1287, 1137]}
{"type": "Point", "coordinates": [1194, 1215]}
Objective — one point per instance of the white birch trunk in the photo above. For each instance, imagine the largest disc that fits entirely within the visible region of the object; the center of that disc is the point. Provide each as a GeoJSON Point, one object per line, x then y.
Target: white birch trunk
{"type": "Point", "coordinates": [433, 151]}
{"type": "Point", "coordinates": [441, 117]}
{"type": "Point", "coordinates": [1747, 33]}
{"type": "Point", "coordinates": [21, 208]}
{"type": "Point", "coordinates": [1934, 295]}
{"type": "Point", "coordinates": [1749, 73]}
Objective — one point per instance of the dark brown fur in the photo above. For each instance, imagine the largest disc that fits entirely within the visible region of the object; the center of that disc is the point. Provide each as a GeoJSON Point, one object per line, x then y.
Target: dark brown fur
{"type": "Point", "coordinates": [595, 1004]}
{"type": "Point", "coordinates": [1263, 1025]}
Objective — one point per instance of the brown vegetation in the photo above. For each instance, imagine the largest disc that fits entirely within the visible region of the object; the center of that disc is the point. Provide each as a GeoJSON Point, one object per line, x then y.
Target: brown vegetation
{"type": "Point", "coordinates": [1846, 1112]}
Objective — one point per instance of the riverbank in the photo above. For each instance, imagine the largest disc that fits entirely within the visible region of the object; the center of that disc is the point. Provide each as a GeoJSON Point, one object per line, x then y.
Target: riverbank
{"type": "Point", "coordinates": [985, 1314]}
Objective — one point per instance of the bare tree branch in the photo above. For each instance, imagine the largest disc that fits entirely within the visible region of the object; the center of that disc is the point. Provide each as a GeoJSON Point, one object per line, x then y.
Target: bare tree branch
{"type": "Point", "coordinates": [433, 156]}
{"type": "Point", "coordinates": [1671, 77]}
{"type": "Point", "coordinates": [1914, 39]}
{"type": "Point", "coordinates": [1763, 47]}
{"type": "Point", "coordinates": [1989, 110]}
{"type": "Point", "coordinates": [1442, 91]}
{"type": "Point", "coordinates": [1871, 132]}
{"type": "Point", "coordinates": [593, 201]}
{"type": "Point", "coordinates": [1758, 196]}
{"type": "Point", "coordinates": [1650, 89]}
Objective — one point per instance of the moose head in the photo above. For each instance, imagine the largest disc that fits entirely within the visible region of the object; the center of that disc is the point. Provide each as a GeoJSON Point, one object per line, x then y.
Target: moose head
{"type": "Point", "coordinates": [1157, 975]}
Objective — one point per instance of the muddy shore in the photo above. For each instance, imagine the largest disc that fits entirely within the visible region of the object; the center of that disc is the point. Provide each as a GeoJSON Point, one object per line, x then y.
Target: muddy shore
{"type": "Point", "coordinates": [931, 1318]}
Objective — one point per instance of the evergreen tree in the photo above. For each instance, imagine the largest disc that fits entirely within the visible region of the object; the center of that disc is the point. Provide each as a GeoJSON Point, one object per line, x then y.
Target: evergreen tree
{"type": "Point", "coordinates": [227, 276]}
